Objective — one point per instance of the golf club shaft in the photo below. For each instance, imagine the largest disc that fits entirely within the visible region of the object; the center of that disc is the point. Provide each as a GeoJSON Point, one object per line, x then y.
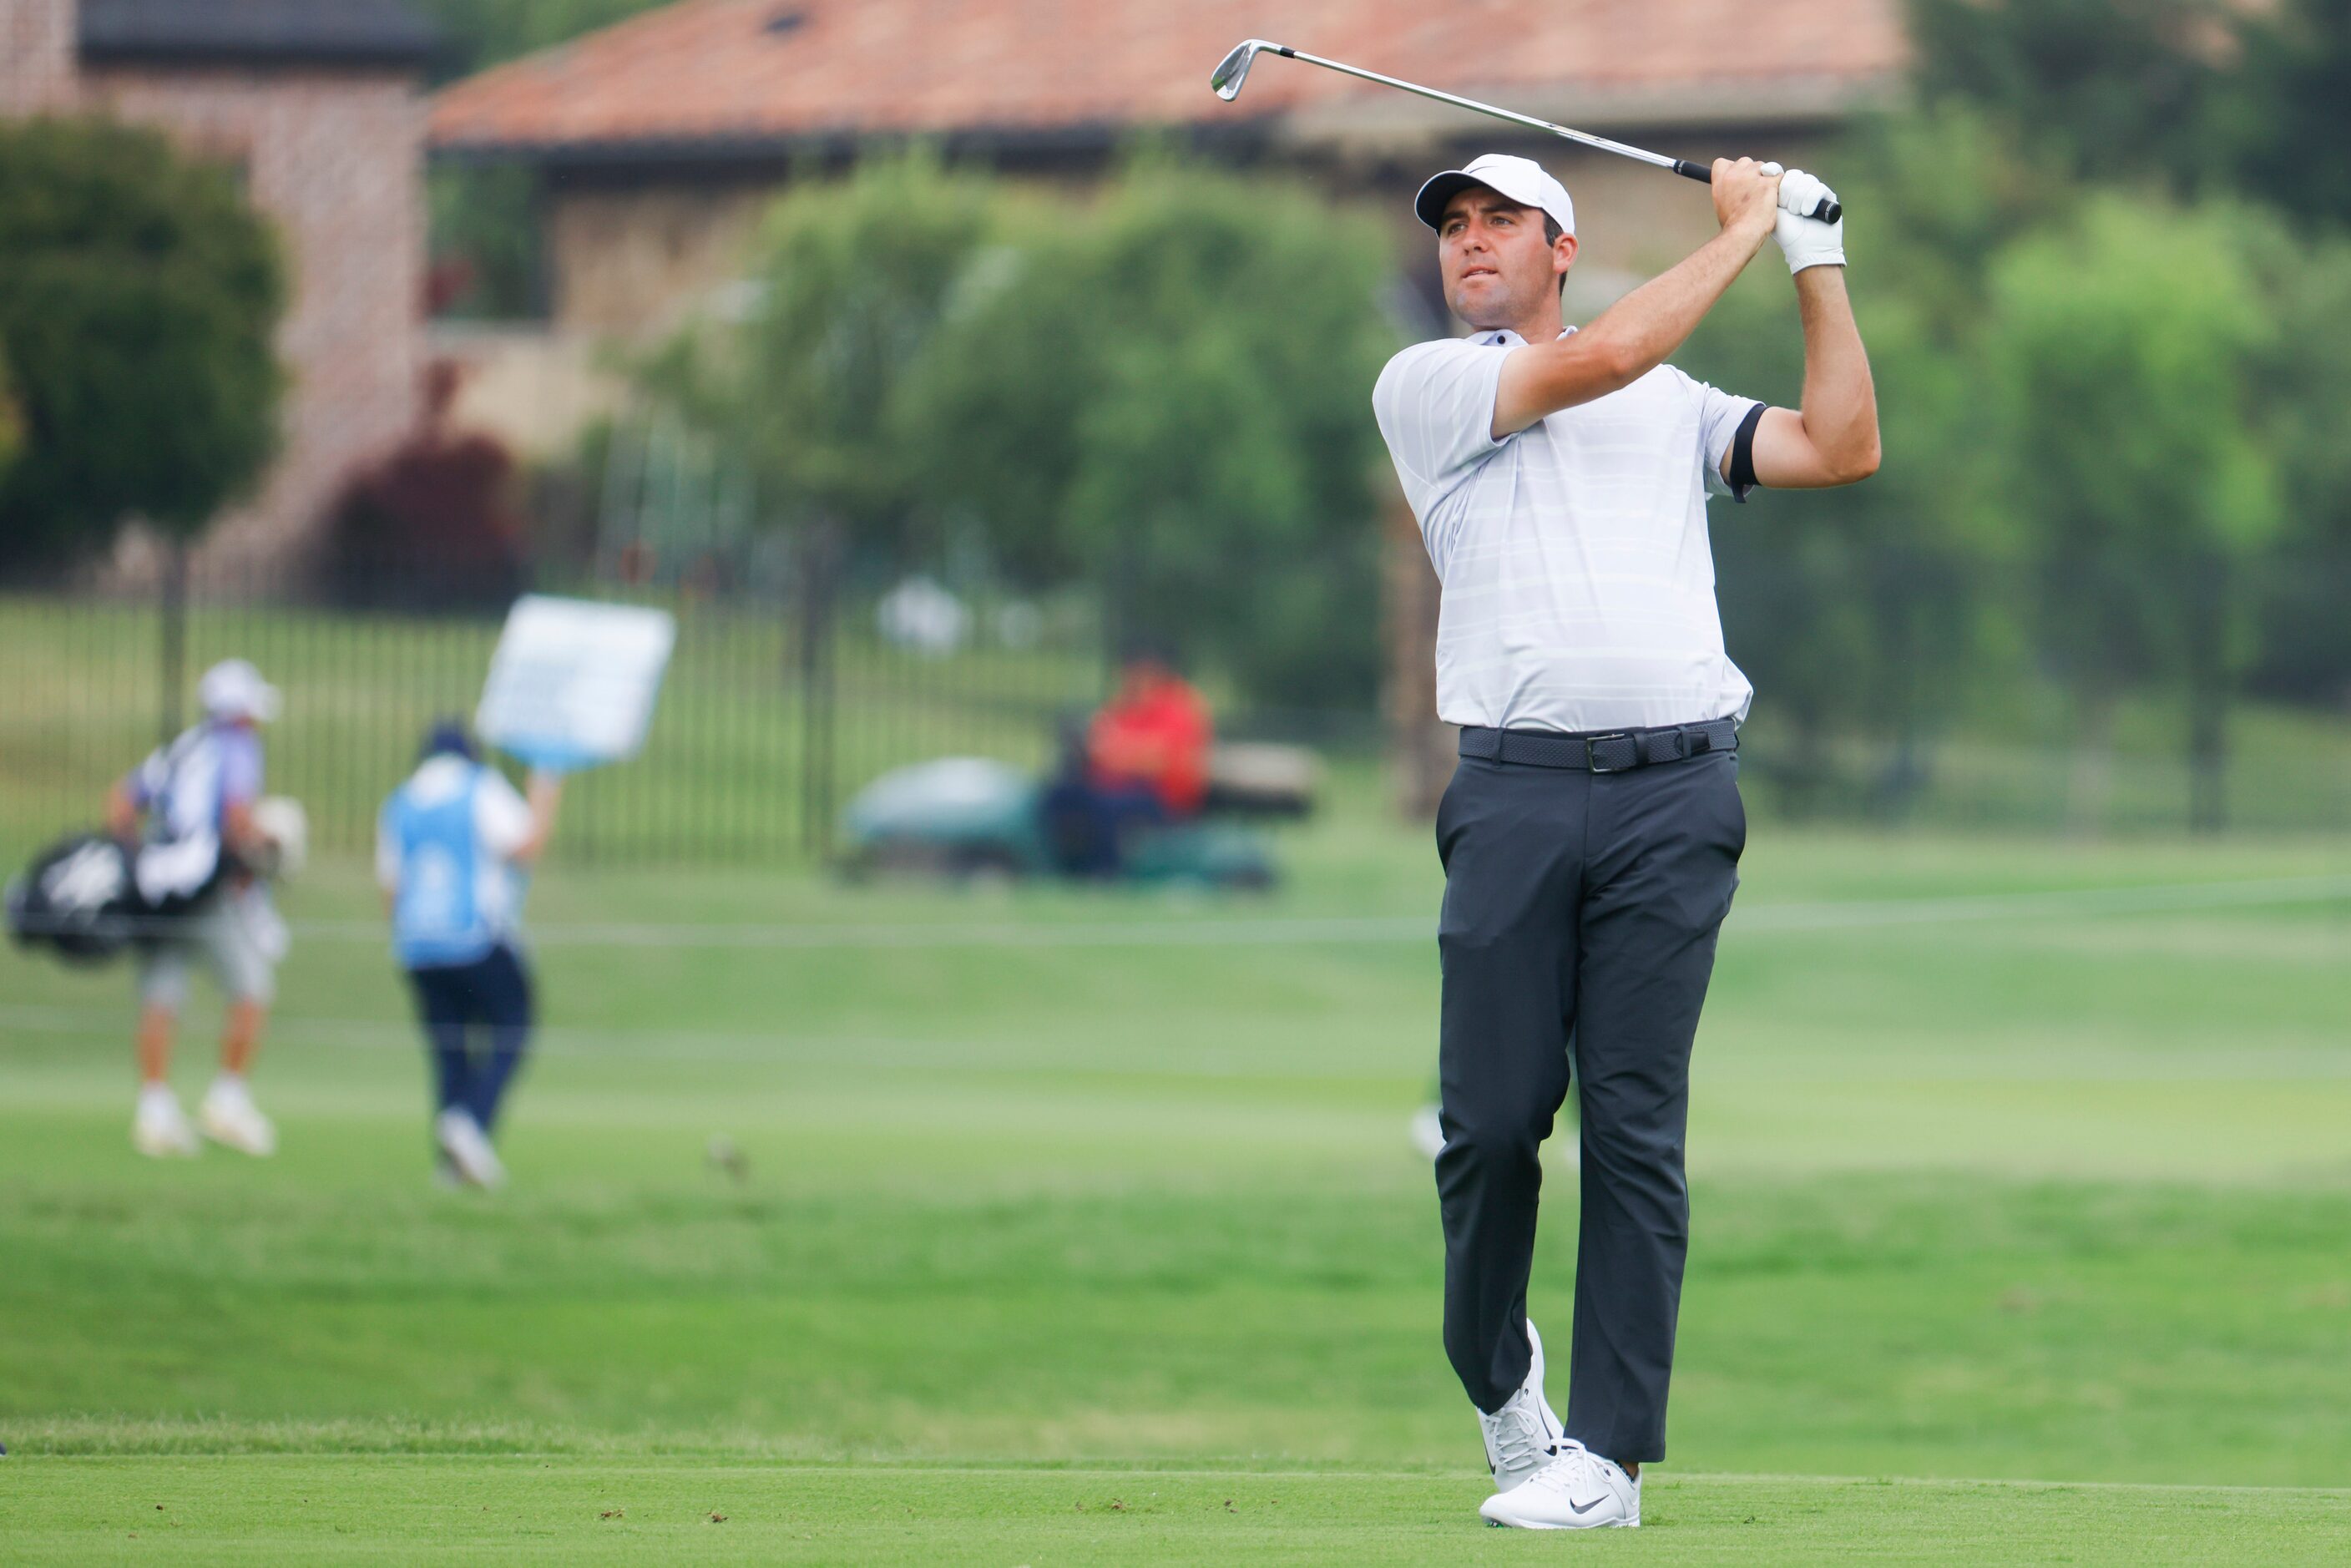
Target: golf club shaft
{"type": "Point", "coordinates": [1701, 172]}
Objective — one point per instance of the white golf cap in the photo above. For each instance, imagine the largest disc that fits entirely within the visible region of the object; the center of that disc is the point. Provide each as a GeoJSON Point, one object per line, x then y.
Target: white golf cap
{"type": "Point", "coordinates": [1522, 180]}
{"type": "Point", "coordinates": [234, 689]}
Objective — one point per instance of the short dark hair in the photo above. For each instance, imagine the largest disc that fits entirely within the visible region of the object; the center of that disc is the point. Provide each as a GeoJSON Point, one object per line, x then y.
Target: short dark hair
{"type": "Point", "coordinates": [1552, 231]}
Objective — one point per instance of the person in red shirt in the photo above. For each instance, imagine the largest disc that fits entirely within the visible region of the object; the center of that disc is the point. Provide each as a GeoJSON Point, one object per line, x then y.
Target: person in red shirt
{"type": "Point", "coordinates": [1143, 761]}
{"type": "Point", "coordinates": [1154, 734]}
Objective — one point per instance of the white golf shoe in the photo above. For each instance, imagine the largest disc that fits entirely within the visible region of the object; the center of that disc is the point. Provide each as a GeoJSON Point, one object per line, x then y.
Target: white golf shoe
{"type": "Point", "coordinates": [468, 1148]}
{"type": "Point", "coordinates": [231, 1119]}
{"type": "Point", "coordinates": [1524, 1434]}
{"type": "Point", "coordinates": [1577, 1490]}
{"type": "Point", "coordinates": [159, 1130]}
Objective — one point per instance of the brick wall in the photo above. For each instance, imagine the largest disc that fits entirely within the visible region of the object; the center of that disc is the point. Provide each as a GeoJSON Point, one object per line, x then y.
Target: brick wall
{"type": "Point", "coordinates": [334, 158]}
{"type": "Point", "coordinates": [634, 263]}
{"type": "Point", "coordinates": [36, 55]}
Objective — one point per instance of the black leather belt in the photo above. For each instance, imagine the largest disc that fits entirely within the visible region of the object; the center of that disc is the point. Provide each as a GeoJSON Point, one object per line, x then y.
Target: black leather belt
{"type": "Point", "coordinates": [1611, 751]}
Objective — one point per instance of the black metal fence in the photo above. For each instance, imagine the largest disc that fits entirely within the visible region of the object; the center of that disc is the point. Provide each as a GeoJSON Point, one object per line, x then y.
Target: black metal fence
{"type": "Point", "coordinates": [774, 711]}
{"type": "Point", "coordinates": [780, 704]}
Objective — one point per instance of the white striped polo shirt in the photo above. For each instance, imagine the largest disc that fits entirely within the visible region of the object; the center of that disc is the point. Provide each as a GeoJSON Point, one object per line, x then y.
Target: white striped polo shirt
{"type": "Point", "coordinates": [1578, 581]}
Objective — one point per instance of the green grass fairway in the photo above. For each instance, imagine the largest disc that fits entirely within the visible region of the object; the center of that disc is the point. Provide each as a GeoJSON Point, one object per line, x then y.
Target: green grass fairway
{"type": "Point", "coordinates": [2021, 1168]}
{"type": "Point", "coordinates": [522, 1509]}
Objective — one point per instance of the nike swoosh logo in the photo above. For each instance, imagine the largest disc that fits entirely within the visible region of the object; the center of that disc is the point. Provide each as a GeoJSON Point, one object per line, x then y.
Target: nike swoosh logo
{"type": "Point", "coordinates": [1579, 1508]}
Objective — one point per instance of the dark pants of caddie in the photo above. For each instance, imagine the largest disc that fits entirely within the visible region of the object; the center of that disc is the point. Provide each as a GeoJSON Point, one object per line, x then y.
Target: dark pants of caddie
{"type": "Point", "coordinates": [1579, 925]}
{"type": "Point", "coordinates": [452, 1000]}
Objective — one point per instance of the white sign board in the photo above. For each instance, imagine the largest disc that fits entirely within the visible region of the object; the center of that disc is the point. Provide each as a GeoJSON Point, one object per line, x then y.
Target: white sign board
{"type": "Point", "coordinates": [572, 682]}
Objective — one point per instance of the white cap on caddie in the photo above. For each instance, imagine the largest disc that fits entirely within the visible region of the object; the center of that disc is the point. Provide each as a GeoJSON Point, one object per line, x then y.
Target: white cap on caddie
{"type": "Point", "coordinates": [1522, 180]}
{"type": "Point", "coordinates": [234, 689]}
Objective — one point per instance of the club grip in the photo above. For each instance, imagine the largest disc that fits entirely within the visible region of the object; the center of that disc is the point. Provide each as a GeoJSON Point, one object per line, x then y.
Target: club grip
{"type": "Point", "coordinates": [1827, 211]}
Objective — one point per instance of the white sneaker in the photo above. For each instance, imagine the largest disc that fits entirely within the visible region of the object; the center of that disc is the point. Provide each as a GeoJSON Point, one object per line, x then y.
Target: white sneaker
{"type": "Point", "coordinates": [1577, 1490]}
{"type": "Point", "coordinates": [462, 1139]}
{"type": "Point", "coordinates": [159, 1130]}
{"type": "Point", "coordinates": [1523, 1435]}
{"type": "Point", "coordinates": [230, 1118]}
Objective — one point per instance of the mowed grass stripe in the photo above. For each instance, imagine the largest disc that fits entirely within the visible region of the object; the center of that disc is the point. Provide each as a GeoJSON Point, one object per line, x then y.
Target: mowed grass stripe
{"type": "Point", "coordinates": [1921, 1324]}
{"type": "Point", "coordinates": [342, 1510]}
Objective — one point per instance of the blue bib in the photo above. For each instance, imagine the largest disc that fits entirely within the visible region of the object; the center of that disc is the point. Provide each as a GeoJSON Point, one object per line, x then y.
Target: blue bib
{"type": "Point", "coordinates": [437, 919]}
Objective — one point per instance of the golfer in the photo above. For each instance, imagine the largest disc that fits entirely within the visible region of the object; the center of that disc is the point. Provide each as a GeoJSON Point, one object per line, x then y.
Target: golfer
{"type": "Point", "coordinates": [454, 844]}
{"type": "Point", "coordinates": [1591, 835]}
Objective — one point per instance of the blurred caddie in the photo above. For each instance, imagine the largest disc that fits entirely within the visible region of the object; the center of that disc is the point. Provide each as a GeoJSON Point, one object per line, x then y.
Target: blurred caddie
{"type": "Point", "coordinates": [193, 808]}
{"type": "Point", "coordinates": [454, 845]}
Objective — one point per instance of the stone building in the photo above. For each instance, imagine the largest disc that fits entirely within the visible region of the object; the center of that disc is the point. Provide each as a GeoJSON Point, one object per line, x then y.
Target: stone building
{"type": "Point", "coordinates": [316, 102]}
{"type": "Point", "coordinates": [658, 141]}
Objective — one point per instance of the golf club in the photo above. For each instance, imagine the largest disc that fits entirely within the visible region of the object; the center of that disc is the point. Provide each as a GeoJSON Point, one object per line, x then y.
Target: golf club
{"type": "Point", "coordinates": [1228, 75]}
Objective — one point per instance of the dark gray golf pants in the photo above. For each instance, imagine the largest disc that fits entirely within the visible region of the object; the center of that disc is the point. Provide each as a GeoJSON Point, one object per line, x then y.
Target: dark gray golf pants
{"type": "Point", "coordinates": [1580, 918]}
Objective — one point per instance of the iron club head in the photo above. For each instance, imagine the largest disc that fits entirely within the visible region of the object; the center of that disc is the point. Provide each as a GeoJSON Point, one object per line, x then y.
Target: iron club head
{"type": "Point", "coordinates": [1233, 68]}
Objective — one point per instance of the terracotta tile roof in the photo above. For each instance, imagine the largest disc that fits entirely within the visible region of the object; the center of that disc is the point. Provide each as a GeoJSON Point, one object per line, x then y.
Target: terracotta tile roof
{"type": "Point", "coordinates": [780, 71]}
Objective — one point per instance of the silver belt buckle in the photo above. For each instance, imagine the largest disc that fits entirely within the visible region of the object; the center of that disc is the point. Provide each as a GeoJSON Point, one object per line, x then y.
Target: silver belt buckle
{"type": "Point", "coordinates": [1591, 757]}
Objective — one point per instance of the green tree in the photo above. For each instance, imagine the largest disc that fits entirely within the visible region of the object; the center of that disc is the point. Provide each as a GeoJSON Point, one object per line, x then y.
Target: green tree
{"type": "Point", "coordinates": [2106, 87]}
{"type": "Point", "coordinates": [138, 295]}
{"type": "Point", "coordinates": [1857, 611]}
{"type": "Point", "coordinates": [2304, 383]}
{"type": "Point", "coordinates": [2124, 345]}
{"type": "Point", "coordinates": [2288, 117]}
{"type": "Point", "coordinates": [856, 277]}
{"type": "Point", "coordinates": [989, 421]}
{"type": "Point", "coordinates": [12, 421]}
{"type": "Point", "coordinates": [2234, 100]}
{"type": "Point", "coordinates": [1172, 395]}
{"type": "Point", "coordinates": [1854, 612]}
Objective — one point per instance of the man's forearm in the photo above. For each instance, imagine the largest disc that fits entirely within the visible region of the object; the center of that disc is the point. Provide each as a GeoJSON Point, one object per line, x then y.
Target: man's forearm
{"type": "Point", "coordinates": [1627, 340]}
{"type": "Point", "coordinates": [1840, 409]}
{"type": "Point", "coordinates": [1641, 331]}
{"type": "Point", "coordinates": [238, 833]}
{"type": "Point", "coordinates": [546, 796]}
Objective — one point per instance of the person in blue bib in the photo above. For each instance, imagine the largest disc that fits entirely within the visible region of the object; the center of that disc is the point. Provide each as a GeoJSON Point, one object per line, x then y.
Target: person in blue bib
{"type": "Point", "coordinates": [454, 847]}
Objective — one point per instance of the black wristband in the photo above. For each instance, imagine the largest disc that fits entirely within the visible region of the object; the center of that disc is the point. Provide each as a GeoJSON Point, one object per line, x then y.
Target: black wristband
{"type": "Point", "coordinates": [1742, 454]}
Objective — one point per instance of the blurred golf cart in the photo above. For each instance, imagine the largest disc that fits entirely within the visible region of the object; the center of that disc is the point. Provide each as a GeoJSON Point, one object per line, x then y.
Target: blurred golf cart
{"type": "Point", "coordinates": [962, 817]}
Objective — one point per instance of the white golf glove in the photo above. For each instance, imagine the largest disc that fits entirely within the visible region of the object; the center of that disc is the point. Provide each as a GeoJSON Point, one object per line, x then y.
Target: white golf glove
{"type": "Point", "coordinates": [1807, 241]}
